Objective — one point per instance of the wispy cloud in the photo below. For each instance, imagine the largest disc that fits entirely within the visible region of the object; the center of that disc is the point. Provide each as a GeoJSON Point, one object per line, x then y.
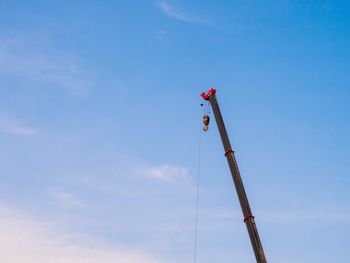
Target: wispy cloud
{"type": "Point", "coordinates": [167, 172]}
{"type": "Point", "coordinates": [288, 217]}
{"type": "Point", "coordinates": [11, 126]}
{"type": "Point", "coordinates": [173, 12]}
{"type": "Point", "coordinates": [161, 34]}
{"type": "Point", "coordinates": [66, 198]}
{"type": "Point", "coordinates": [306, 216]}
{"type": "Point", "coordinates": [41, 241]}
{"type": "Point", "coordinates": [32, 62]}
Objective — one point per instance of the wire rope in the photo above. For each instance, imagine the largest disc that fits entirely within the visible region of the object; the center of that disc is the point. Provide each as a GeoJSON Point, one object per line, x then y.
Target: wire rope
{"type": "Point", "coordinates": [197, 189]}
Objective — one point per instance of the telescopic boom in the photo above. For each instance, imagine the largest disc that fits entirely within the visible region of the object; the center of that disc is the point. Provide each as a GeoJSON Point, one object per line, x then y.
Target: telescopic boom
{"type": "Point", "coordinates": [242, 196]}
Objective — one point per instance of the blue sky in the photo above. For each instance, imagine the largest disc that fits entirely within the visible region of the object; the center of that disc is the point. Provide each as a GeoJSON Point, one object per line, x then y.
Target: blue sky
{"type": "Point", "coordinates": [100, 122]}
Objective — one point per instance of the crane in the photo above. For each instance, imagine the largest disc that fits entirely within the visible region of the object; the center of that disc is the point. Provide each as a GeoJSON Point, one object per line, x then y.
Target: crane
{"type": "Point", "coordinates": [232, 163]}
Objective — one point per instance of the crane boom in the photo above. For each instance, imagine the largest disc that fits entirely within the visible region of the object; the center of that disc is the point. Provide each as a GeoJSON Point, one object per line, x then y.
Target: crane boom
{"type": "Point", "coordinates": [242, 196]}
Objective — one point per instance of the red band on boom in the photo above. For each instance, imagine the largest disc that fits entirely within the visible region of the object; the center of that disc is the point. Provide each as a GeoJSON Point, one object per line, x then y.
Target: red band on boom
{"type": "Point", "coordinates": [248, 217]}
{"type": "Point", "coordinates": [228, 152]}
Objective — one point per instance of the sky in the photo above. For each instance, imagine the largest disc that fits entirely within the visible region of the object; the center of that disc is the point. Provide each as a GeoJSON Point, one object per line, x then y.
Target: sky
{"type": "Point", "coordinates": [100, 126]}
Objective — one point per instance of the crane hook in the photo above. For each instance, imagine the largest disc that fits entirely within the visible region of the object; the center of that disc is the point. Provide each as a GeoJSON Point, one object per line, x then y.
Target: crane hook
{"type": "Point", "coordinates": [206, 120]}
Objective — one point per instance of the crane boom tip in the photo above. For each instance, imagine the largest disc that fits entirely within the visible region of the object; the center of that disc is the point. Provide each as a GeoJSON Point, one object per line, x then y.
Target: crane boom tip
{"type": "Point", "coordinates": [206, 96]}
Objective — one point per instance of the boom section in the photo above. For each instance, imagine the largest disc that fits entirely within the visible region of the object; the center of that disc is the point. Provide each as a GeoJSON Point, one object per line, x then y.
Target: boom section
{"type": "Point", "coordinates": [237, 179]}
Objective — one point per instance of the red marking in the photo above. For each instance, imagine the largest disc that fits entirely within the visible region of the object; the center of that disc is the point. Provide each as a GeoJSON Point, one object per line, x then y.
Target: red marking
{"type": "Point", "coordinates": [248, 217]}
{"type": "Point", "coordinates": [228, 152]}
{"type": "Point", "coordinates": [206, 96]}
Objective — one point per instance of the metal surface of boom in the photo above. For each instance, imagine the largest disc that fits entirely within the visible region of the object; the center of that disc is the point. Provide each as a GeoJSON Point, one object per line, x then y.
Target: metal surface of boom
{"type": "Point", "coordinates": [247, 213]}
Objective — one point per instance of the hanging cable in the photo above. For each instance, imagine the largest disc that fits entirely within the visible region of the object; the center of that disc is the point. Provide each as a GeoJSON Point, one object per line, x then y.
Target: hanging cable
{"type": "Point", "coordinates": [197, 197]}
{"type": "Point", "coordinates": [197, 193]}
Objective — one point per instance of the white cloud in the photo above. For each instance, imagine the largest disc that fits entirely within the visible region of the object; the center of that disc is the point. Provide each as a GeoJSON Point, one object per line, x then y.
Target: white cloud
{"type": "Point", "coordinates": [169, 10]}
{"type": "Point", "coordinates": [26, 239]}
{"type": "Point", "coordinates": [167, 173]}
{"type": "Point", "coordinates": [22, 59]}
{"type": "Point", "coordinates": [12, 126]}
{"type": "Point", "coordinates": [66, 198]}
